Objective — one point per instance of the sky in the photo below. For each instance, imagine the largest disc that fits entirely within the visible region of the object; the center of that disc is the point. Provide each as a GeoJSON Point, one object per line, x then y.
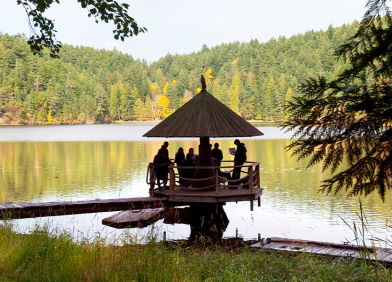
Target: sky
{"type": "Point", "coordinates": [182, 27]}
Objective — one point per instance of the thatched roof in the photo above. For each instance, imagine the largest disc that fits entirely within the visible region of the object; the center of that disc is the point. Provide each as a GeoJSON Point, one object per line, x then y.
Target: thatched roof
{"type": "Point", "coordinates": [203, 115]}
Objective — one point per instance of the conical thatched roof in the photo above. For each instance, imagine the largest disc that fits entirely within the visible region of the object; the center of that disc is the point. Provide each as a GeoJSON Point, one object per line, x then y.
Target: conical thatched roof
{"type": "Point", "coordinates": [203, 115]}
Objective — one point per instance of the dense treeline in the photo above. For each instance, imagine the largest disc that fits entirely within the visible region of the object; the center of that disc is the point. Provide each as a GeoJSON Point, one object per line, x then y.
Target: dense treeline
{"type": "Point", "coordinates": [87, 85]}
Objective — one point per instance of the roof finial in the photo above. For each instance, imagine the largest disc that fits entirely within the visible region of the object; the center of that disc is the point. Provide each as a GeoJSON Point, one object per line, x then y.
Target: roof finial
{"type": "Point", "coordinates": [203, 84]}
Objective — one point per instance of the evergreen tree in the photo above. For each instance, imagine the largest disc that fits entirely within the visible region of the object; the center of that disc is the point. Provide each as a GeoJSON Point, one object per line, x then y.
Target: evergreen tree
{"type": "Point", "coordinates": [235, 89]}
{"type": "Point", "coordinates": [347, 119]}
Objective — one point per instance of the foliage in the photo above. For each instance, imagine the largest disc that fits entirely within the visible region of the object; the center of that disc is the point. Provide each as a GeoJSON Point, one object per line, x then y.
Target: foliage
{"type": "Point", "coordinates": [346, 120]}
{"type": "Point", "coordinates": [44, 33]}
{"type": "Point", "coordinates": [42, 256]}
{"type": "Point", "coordinates": [88, 85]}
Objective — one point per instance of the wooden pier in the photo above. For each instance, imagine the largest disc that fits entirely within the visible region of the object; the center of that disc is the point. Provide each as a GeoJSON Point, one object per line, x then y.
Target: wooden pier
{"type": "Point", "coordinates": [28, 210]}
{"type": "Point", "coordinates": [383, 255]}
{"type": "Point", "coordinates": [158, 199]}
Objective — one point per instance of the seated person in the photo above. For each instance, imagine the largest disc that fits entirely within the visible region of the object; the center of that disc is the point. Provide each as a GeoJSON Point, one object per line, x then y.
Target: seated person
{"type": "Point", "coordinates": [190, 160]}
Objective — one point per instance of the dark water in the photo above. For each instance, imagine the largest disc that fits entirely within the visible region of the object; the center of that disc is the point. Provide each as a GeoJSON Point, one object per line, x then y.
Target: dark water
{"type": "Point", "coordinates": [56, 163]}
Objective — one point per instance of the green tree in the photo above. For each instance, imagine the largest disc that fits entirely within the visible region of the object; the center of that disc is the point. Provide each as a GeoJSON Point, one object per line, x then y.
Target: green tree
{"type": "Point", "coordinates": [138, 110]}
{"type": "Point", "coordinates": [268, 99]}
{"type": "Point", "coordinates": [117, 91]}
{"type": "Point", "coordinates": [235, 90]}
{"type": "Point", "coordinates": [347, 120]}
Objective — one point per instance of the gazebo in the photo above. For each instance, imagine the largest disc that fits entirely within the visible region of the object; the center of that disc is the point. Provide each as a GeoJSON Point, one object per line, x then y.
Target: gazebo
{"type": "Point", "coordinates": [204, 117]}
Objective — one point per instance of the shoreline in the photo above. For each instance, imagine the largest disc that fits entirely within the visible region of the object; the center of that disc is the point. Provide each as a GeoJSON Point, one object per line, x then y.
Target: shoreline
{"type": "Point", "coordinates": [117, 122]}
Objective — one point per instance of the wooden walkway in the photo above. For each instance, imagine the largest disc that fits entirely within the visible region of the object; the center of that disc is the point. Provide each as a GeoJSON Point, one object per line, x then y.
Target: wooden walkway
{"type": "Point", "coordinates": [158, 199]}
{"type": "Point", "coordinates": [383, 255]}
{"type": "Point", "coordinates": [26, 210]}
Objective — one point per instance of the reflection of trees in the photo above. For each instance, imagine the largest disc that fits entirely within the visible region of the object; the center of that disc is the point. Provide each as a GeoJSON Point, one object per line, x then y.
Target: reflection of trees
{"type": "Point", "coordinates": [291, 185]}
{"type": "Point", "coordinates": [33, 170]}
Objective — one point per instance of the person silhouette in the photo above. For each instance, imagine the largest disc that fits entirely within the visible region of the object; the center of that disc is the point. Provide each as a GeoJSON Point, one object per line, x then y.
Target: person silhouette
{"type": "Point", "coordinates": [180, 161]}
{"type": "Point", "coordinates": [180, 157]}
{"type": "Point", "coordinates": [165, 146]}
{"type": "Point", "coordinates": [161, 167]}
{"type": "Point", "coordinates": [217, 154]}
{"type": "Point", "coordinates": [239, 158]}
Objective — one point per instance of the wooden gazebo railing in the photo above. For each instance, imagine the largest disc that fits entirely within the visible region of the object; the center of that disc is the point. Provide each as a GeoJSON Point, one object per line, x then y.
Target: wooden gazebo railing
{"type": "Point", "coordinates": [217, 177]}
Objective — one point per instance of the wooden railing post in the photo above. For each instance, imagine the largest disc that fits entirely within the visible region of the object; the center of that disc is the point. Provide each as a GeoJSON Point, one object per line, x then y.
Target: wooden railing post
{"type": "Point", "coordinates": [172, 180]}
{"type": "Point", "coordinates": [250, 177]}
{"type": "Point", "coordinates": [258, 175]}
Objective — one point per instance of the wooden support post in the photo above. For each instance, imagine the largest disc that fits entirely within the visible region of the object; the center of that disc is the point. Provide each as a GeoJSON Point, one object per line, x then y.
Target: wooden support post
{"type": "Point", "coordinates": [216, 180]}
{"type": "Point", "coordinates": [251, 205]}
{"type": "Point", "coordinates": [258, 175]}
{"type": "Point", "coordinates": [172, 179]}
{"type": "Point", "coordinates": [258, 202]}
{"type": "Point", "coordinates": [250, 177]}
{"type": "Point", "coordinates": [152, 175]}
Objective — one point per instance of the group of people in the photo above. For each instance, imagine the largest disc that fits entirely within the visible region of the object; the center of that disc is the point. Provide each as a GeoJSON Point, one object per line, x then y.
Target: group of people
{"type": "Point", "coordinates": [162, 161]}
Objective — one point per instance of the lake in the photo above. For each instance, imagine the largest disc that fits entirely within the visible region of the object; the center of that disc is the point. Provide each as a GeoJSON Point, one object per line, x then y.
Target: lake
{"type": "Point", "coordinates": [77, 162]}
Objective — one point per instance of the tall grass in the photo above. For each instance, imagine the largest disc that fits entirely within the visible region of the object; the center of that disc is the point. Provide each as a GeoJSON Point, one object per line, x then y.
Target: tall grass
{"type": "Point", "coordinates": [362, 234]}
{"type": "Point", "coordinates": [41, 256]}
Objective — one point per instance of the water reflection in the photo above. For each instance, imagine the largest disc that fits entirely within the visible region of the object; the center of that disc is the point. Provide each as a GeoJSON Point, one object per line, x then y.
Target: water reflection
{"type": "Point", "coordinates": [291, 204]}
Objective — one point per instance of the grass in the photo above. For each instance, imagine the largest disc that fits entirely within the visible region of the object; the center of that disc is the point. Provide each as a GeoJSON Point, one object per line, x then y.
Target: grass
{"type": "Point", "coordinates": [41, 256]}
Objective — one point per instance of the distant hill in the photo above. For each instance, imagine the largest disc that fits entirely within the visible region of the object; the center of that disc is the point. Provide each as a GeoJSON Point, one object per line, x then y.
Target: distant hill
{"type": "Point", "coordinates": [87, 85]}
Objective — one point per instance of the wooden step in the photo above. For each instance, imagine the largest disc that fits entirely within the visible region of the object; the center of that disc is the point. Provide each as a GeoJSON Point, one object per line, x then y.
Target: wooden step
{"type": "Point", "coordinates": [134, 218]}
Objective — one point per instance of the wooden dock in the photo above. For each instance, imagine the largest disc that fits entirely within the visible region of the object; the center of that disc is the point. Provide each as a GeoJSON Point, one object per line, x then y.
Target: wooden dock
{"type": "Point", "coordinates": [383, 255]}
{"type": "Point", "coordinates": [158, 199]}
{"type": "Point", "coordinates": [28, 210]}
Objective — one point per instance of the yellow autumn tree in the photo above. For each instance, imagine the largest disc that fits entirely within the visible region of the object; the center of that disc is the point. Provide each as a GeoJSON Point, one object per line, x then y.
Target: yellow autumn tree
{"type": "Point", "coordinates": [163, 103]}
{"type": "Point", "coordinates": [153, 88]}
{"type": "Point", "coordinates": [164, 89]}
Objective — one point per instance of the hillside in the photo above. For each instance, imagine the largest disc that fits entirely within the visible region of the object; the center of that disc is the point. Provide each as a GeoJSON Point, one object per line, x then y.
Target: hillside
{"type": "Point", "coordinates": [87, 85]}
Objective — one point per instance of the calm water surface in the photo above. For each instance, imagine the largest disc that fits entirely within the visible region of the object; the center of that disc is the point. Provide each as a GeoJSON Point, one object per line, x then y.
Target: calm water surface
{"type": "Point", "coordinates": [59, 163]}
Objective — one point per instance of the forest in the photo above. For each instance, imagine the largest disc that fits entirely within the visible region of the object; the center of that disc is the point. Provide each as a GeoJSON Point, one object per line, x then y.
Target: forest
{"type": "Point", "coordinates": [86, 85]}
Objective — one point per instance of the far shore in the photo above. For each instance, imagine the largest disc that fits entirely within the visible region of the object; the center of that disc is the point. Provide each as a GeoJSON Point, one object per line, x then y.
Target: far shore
{"type": "Point", "coordinates": [117, 122]}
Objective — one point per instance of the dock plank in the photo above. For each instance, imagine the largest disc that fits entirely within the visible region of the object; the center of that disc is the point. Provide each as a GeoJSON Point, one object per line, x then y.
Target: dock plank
{"type": "Point", "coordinates": [387, 258]}
{"type": "Point", "coordinates": [30, 210]}
{"type": "Point", "coordinates": [327, 249]}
